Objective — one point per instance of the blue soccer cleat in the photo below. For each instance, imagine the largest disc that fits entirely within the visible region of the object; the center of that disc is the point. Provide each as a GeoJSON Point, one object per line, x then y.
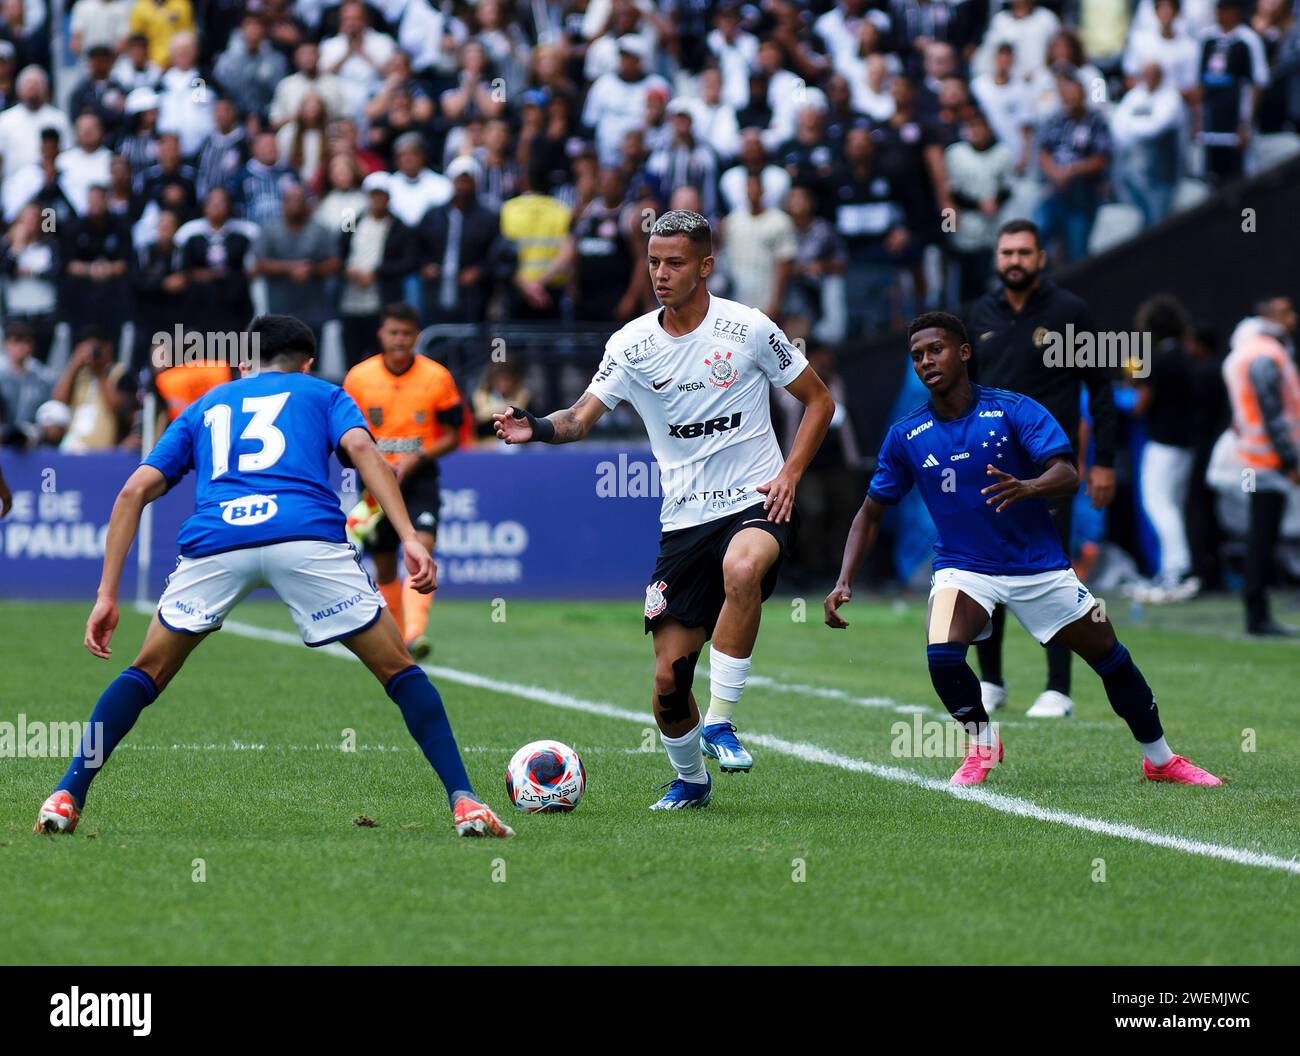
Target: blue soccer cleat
{"type": "Point", "coordinates": [719, 742]}
{"type": "Point", "coordinates": [683, 794]}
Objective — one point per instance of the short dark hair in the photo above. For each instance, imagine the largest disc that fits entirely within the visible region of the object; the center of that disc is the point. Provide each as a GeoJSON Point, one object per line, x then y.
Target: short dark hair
{"type": "Point", "coordinates": [283, 337]}
{"type": "Point", "coordinates": [1018, 226]}
{"type": "Point", "coordinates": [400, 311]}
{"type": "Point", "coordinates": [939, 321]}
{"type": "Point", "coordinates": [1163, 316]}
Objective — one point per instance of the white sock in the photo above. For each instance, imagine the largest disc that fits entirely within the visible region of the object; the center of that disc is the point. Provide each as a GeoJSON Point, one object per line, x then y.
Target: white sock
{"type": "Point", "coordinates": [727, 678]}
{"type": "Point", "coordinates": [685, 755]}
{"type": "Point", "coordinates": [1157, 752]}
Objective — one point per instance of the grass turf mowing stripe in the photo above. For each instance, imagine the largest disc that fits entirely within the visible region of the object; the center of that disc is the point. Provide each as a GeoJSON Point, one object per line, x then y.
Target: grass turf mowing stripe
{"type": "Point", "coordinates": [812, 753]}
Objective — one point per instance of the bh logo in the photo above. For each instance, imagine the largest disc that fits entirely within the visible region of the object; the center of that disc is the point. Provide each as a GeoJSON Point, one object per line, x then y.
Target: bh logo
{"type": "Point", "coordinates": [248, 511]}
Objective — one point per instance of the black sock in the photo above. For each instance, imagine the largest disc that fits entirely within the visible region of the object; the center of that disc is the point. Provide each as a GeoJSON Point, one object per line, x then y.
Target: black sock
{"type": "Point", "coordinates": [956, 683]}
{"type": "Point", "coordinates": [1129, 694]}
{"type": "Point", "coordinates": [989, 650]}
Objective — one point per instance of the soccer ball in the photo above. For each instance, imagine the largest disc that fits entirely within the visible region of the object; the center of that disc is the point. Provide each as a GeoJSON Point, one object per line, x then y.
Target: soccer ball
{"type": "Point", "coordinates": [545, 776]}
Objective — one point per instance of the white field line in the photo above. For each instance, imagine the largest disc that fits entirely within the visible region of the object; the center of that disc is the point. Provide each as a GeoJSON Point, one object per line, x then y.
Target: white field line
{"type": "Point", "coordinates": [813, 753]}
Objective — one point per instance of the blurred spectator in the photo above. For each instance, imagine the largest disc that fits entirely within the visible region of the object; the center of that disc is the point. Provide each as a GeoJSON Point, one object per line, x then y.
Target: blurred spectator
{"type": "Point", "coordinates": [498, 173]}
{"type": "Point", "coordinates": [161, 287]}
{"type": "Point", "coordinates": [1074, 156]}
{"type": "Point", "coordinates": [29, 273]}
{"type": "Point", "coordinates": [807, 157]}
{"type": "Point", "coordinates": [215, 252]}
{"type": "Point", "coordinates": [1027, 28]}
{"type": "Point", "coordinates": [979, 171]}
{"type": "Point", "coordinates": [537, 227]}
{"type": "Point", "coordinates": [139, 140]}
{"type": "Point", "coordinates": [1146, 126]}
{"type": "Point", "coordinates": [1232, 70]}
{"type": "Point", "coordinates": [399, 78]}
{"type": "Point", "coordinates": [98, 93]}
{"type": "Point", "coordinates": [185, 97]}
{"type": "Point", "coordinates": [301, 142]}
{"type": "Point", "coordinates": [477, 91]}
{"type": "Point", "coordinates": [457, 241]}
{"type": "Point", "coordinates": [85, 163]}
{"type": "Point", "coordinates": [97, 254]}
{"type": "Point", "coordinates": [414, 189]}
{"type": "Point", "coordinates": [250, 68]}
{"type": "Point", "coordinates": [1065, 51]}
{"type": "Point", "coordinates": [297, 256]}
{"type": "Point", "coordinates": [819, 254]}
{"type": "Point", "coordinates": [8, 87]}
{"type": "Point", "coordinates": [617, 100]}
{"type": "Point", "coordinates": [1210, 416]}
{"type": "Point", "coordinates": [713, 119]}
{"type": "Point", "coordinates": [158, 21]}
{"type": "Point", "coordinates": [224, 151]}
{"type": "Point", "coordinates": [21, 125]}
{"type": "Point", "coordinates": [1287, 75]}
{"type": "Point", "coordinates": [134, 68]}
{"type": "Point", "coordinates": [99, 23]}
{"type": "Point", "coordinates": [684, 160]}
{"type": "Point", "coordinates": [1271, 21]}
{"type": "Point", "coordinates": [357, 55]}
{"type": "Point", "coordinates": [343, 201]}
{"type": "Point", "coordinates": [1006, 101]}
{"type": "Point", "coordinates": [1264, 388]}
{"type": "Point", "coordinates": [95, 390]}
{"type": "Point", "coordinates": [1170, 45]}
{"type": "Point", "coordinates": [869, 219]}
{"type": "Point", "coordinates": [735, 49]}
{"type": "Point", "coordinates": [171, 183]}
{"type": "Point", "coordinates": [753, 162]}
{"type": "Point", "coordinates": [378, 255]}
{"type": "Point", "coordinates": [25, 384]}
{"type": "Point", "coordinates": [40, 184]}
{"type": "Point", "coordinates": [502, 386]}
{"type": "Point", "coordinates": [609, 275]}
{"type": "Point", "coordinates": [760, 249]}
{"type": "Point", "coordinates": [307, 79]}
{"type": "Point", "coordinates": [256, 189]}
{"type": "Point", "coordinates": [1165, 397]}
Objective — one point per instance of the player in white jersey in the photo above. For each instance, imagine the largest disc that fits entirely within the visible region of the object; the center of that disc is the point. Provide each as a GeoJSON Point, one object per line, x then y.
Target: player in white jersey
{"type": "Point", "coordinates": [700, 371]}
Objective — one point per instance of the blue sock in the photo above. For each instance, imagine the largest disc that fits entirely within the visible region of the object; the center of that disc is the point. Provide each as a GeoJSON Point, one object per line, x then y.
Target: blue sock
{"type": "Point", "coordinates": [956, 683]}
{"type": "Point", "coordinates": [1129, 694]}
{"type": "Point", "coordinates": [114, 715]}
{"type": "Point", "coordinates": [426, 718]}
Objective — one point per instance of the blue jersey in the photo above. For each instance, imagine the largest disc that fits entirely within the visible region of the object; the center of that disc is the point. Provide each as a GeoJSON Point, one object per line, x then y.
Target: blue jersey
{"type": "Point", "coordinates": [948, 459]}
{"type": "Point", "coordinates": [260, 448]}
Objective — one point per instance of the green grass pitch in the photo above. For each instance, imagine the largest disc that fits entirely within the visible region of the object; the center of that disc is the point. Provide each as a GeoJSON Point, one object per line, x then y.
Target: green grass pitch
{"type": "Point", "coordinates": [239, 764]}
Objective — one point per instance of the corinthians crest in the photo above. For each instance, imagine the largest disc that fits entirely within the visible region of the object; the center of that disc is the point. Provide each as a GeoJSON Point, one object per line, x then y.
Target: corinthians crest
{"type": "Point", "coordinates": [721, 372]}
{"type": "Point", "coordinates": [655, 602]}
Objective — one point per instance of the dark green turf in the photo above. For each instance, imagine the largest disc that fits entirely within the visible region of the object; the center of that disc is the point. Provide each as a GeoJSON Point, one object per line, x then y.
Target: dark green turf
{"type": "Point", "coordinates": [893, 873]}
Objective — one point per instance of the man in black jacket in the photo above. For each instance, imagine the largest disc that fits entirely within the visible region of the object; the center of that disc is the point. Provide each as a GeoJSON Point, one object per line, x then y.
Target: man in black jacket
{"type": "Point", "coordinates": [456, 242]}
{"type": "Point", "coordinates": [1010, 330]}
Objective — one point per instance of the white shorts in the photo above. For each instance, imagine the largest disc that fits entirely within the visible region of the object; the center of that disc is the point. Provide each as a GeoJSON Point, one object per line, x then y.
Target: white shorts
{"type": "Point", "coordinates": [1043, 603]}
{"type": "Point", "coordinates": [324, 584]}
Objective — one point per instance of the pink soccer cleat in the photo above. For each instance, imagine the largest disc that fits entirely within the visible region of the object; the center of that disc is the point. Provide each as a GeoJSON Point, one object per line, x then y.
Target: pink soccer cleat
{"type": "Point", "coordinates": [980, 759]}
{"type": "Point", "coordinates": [1180, 771]}
{"type": "Point", "coordinates": [57, 814]}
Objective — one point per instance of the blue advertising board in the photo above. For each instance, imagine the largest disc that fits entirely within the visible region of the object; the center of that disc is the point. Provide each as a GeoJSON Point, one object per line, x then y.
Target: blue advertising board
{"type": "Point", "coordinates": [578, 522]}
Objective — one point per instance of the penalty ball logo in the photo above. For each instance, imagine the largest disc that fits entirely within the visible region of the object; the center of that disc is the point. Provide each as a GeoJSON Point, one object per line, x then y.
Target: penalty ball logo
{"type": "Point", "coordinates": [655, 602]}
{"type": "Point", "coordinates": [721, 372]}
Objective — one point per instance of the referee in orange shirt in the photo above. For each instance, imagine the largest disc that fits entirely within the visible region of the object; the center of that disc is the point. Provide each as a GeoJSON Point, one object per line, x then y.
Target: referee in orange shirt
{"type": "Point", "coordinates": [415, 413]}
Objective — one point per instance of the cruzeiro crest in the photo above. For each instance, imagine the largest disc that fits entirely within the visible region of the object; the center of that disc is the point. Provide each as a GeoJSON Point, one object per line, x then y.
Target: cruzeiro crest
{"type": "Point", "coordinates": [721, 372]}
{"type": "Point", "coordinates": [655, 602]}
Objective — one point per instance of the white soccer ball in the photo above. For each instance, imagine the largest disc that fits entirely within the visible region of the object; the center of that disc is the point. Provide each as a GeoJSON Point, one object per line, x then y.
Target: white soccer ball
{"type": "Point", "coordinates": [545, 776]}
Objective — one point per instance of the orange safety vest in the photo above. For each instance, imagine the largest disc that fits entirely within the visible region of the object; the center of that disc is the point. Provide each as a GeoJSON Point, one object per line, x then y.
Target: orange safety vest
{"type": "Point", "coordinates": [1253, 445]}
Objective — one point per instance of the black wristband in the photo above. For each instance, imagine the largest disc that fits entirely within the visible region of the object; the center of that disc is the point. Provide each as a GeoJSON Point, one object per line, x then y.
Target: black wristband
{"type": "Point", "coordinates": [543, 428]}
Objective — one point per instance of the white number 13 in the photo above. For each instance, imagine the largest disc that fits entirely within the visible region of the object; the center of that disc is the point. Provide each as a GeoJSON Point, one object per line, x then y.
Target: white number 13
{"type": "Point", "coordinates": [265, 410]}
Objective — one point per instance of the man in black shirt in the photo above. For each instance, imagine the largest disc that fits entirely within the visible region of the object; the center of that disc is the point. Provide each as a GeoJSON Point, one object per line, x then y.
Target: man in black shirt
{"type": "Point", "coordinates": [1009, 330]}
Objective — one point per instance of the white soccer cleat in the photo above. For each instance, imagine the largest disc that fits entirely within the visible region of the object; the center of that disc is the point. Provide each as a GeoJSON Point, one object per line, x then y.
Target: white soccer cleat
{"type": "Point", "coordinates": [1051, 705]}
{"type": "Point", "coordinates": [993, 696]}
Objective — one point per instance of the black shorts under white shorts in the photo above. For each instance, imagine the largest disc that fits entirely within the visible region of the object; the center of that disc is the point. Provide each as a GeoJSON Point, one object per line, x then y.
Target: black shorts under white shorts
{"type": "Point", "coordinates": [423, 500]}
{"type": "Point", "coordinates": [687, 580]}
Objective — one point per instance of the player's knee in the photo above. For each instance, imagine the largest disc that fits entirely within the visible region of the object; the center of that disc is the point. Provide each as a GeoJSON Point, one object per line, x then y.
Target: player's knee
{"type": "Point", "coordinates": [741, 574]}
{"type": "Point", "coordinates": [674, 674]}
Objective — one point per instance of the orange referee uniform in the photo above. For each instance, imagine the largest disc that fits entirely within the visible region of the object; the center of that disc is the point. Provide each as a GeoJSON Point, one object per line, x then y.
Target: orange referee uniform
{"type": "Point", "coordinates": [407, 413]}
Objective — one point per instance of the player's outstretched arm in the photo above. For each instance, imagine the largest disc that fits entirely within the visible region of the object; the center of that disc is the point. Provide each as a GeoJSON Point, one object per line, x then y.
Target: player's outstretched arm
{"type": "Point", "coordinates": [380, 480]}
{"type": "Point", "coordinates": [862, 537]}
{"type": "Point", "coordinates": [140, 489]}
{"type": "Point", "coordinates": [517, 426]}
{"type": "Point", "coordinates": [1060, 478]}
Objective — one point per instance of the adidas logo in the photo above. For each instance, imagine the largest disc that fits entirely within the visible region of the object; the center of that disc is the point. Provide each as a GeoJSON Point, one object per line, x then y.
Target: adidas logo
{"type": "Point", "coordinates": [930, 462]}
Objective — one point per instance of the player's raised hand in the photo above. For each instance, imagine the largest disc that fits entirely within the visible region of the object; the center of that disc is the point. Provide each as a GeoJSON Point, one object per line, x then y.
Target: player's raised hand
{"type": "Point", "coordinates": [780, 498]}
{"type": "Point", "coordinates": [100, 627]}
{"type": "Point", "coordinates": [1007, 489]}
{"type": "Point", "coordinates": [420, 567]}
{"type": "Point", "coordinates": [512, 426]}
{"type": "Point", "coordinates": [841, 595]}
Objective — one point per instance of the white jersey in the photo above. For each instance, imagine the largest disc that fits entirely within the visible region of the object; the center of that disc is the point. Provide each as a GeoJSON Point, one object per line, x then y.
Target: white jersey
{"type": "Point", "coordinates": [704, 398]}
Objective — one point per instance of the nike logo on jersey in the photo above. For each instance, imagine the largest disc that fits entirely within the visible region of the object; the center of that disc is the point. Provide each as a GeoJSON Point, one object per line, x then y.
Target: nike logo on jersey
{"type": "Point", "coordinates": [660, 384]}
{"type": "Point", "coordinates": [930, 462]}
